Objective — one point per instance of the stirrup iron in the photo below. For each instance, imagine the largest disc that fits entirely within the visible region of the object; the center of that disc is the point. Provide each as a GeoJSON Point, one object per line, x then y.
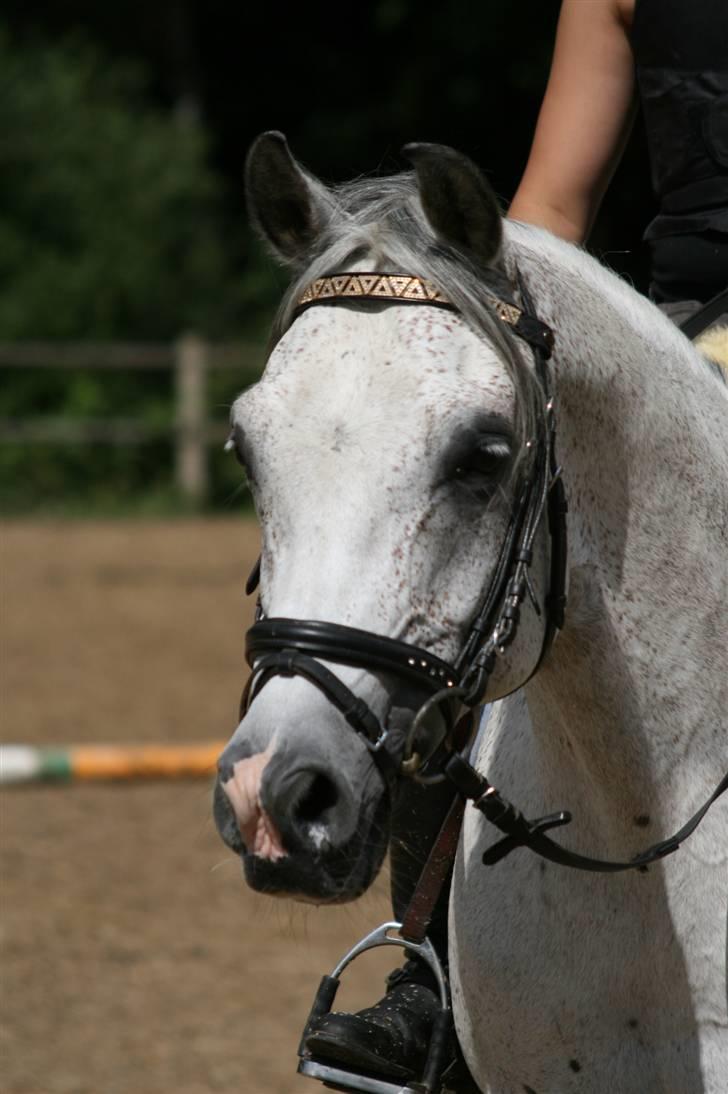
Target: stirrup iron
{"type": "Point", "coordinates": [339, 1077]}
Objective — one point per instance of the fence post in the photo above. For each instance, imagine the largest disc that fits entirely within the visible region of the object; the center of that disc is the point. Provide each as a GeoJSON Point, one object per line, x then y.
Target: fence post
{"type": "Point", "coordinates": [190, 366]}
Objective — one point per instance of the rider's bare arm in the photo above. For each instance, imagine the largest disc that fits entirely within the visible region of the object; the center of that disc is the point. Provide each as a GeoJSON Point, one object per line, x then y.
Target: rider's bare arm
{"type": "Point", "coordinates": [585, 119]}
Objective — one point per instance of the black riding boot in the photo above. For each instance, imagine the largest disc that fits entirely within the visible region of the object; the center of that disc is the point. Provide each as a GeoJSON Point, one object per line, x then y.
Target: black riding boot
{"type": "Point", "coordinates": [391, 1038]}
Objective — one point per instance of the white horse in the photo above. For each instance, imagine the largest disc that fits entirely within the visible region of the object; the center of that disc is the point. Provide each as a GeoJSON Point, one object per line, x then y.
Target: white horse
{"type": "Point", "coordinates": [382, 445]}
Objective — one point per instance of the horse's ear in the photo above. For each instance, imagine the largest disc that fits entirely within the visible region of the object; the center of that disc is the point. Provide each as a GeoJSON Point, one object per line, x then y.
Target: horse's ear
{"type": "Point", "coordinates": [288, 207]}
{"type": "Point", "coordinates": [457, 199]}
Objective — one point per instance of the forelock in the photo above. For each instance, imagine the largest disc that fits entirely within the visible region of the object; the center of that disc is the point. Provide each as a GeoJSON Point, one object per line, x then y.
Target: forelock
{"type": "Point", "coordinates": [381, 221]}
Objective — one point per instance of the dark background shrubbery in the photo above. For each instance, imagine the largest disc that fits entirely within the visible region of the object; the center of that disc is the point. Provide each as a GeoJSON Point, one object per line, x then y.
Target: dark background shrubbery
{"type": "Point", "coordinates": [124, 129]}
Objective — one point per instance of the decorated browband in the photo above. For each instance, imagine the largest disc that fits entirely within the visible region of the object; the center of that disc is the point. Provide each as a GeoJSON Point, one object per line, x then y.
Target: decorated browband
{"type": "Point", "coordinates": [410, 289]}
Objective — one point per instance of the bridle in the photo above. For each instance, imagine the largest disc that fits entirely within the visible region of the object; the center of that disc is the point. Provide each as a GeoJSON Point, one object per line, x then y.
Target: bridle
{"type": "Point", "coordinates": [294, 647]}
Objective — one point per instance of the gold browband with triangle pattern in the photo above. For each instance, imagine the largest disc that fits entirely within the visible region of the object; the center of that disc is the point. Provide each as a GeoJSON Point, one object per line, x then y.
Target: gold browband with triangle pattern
{"type": "Point", "coordinates": [375, 286]}
{"type": "Point", "coordinates": [381, 286]}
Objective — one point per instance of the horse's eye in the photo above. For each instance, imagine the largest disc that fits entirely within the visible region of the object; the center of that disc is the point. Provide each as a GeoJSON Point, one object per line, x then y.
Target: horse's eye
{"type": "Point", "coordinates": [476, 470]}
{"type": "Point", "coordinates": [231, 445]}
{"type": "Point", "coordinates": [485, 460]}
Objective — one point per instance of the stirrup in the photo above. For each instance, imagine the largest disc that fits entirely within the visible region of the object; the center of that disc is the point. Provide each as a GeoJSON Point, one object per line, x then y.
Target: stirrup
{"type": "Point", "coordinates": [342, 1078]}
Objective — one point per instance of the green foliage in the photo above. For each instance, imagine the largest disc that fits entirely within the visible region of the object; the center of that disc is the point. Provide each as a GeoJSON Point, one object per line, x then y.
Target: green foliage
{"type": "Point", "coordinates": [110, 229]}
{"type": "Point", "coordinates": [108, 215]}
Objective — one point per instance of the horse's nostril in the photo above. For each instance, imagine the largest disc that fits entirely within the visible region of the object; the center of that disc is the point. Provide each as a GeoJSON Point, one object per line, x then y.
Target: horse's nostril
{"type": "Point", "coordinates": [320, 796]}
{"type": "Point", "coordinates": [310, 807]}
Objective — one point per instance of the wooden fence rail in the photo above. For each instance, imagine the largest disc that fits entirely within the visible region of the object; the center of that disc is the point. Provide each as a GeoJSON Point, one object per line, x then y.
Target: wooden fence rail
{"type": "Point", "coordinates": [191, 359]}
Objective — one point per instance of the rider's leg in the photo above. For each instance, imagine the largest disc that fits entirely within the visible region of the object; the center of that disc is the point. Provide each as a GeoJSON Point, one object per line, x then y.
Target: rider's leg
{"type": "Point", "coordinates": [418, 815]}
{"type": "Point", "coordinates": [392, 1037]}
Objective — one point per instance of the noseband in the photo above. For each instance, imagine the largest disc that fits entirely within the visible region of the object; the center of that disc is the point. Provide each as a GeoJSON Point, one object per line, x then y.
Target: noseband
{"type": "Point", "coordinates": [295, 647]}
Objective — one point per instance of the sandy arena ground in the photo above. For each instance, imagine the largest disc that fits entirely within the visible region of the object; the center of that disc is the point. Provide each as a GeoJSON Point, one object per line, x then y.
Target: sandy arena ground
{"type": "Point", "coordinates": [134, 960]}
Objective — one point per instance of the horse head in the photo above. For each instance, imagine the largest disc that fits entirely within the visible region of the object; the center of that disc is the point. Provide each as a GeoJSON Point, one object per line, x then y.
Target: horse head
{"type": "Point", "coordinates": [385, 446]}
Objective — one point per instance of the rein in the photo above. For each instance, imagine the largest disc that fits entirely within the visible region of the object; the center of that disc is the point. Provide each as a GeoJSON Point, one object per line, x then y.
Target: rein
{"type": "Point", "coordinates": [294, 647]}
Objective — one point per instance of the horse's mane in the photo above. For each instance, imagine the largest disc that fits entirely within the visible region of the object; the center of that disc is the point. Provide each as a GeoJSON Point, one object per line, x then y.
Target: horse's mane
{"type": "Point", "coordinates": [560, 271]}
{"type": "Point", "coordinates": [379, 224]}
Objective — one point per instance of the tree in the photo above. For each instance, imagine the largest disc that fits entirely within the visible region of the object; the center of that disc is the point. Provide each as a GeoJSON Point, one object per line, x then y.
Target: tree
{"type": "Point", "coordinates": [110, 228]}
{"type": "Point", "coordinates": [108, 213]}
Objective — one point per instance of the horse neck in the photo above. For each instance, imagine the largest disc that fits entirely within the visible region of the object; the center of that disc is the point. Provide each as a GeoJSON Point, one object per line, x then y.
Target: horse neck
{"type": "Point", "coordinates": [635, 689]}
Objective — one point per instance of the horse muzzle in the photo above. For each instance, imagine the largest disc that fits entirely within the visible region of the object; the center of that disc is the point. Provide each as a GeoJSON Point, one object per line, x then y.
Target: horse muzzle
{"type": "Point", "coordinates": [297, 824]}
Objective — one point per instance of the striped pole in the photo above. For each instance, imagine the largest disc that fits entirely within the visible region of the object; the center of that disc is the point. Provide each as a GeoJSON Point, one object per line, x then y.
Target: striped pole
{"type": "Point", "coordinates": [26, 763]}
